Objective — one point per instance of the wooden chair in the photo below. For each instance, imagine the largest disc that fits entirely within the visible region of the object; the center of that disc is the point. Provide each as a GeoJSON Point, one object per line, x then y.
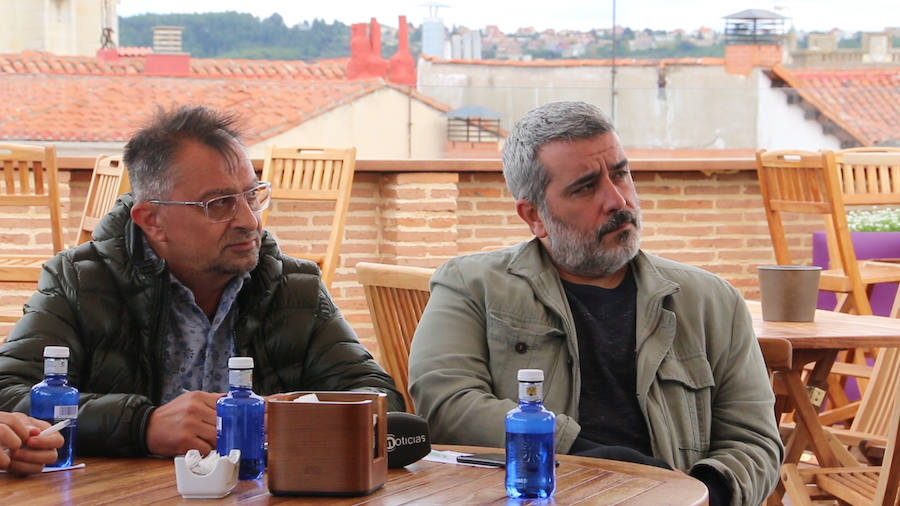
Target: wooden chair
{"type": "Point", "coordinates": [856, 485]}
{"type": "Point", "coordinates": [778, 355]}
{"type": "Point", "coordinates": [314, 174]}
{"type": "Point", "coordinates": [30, 179]}
{"type": "Point", "coordinates": [871, 416]}
{"type": "Point", "coordinates": [807, 183]}
{"type": "Point", "coordinates": [396, 296]}
{"type": "Point", "coordinates": [869, 176]}
{"type": "Point", "coordinates": [108, 181]}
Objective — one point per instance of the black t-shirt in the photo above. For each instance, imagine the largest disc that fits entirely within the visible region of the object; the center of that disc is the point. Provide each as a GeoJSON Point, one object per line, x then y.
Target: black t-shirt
{"type": "Point", "coordinates": [608, 410]}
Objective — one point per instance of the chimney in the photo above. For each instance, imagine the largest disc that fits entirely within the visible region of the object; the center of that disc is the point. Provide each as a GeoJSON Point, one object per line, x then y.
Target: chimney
{"type": "Point", "coordinates": [753, 37]}
{"type": "Point", "coordinates": [365, 52]}
{"type": "Point", "coordinates": [401, 68]}
{"type": "Point", "coordinates": [376, 62]}
{"type": "Point", "coordinates": [167, 58]}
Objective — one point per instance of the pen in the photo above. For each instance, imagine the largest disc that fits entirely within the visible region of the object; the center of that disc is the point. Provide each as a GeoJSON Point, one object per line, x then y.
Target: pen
{"type": "Point", "coordinates": [56, 427]}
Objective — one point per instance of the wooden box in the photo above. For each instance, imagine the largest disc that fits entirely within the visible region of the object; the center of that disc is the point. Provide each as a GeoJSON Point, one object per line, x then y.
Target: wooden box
{"type": "Point", "coordinates": [337, 446]}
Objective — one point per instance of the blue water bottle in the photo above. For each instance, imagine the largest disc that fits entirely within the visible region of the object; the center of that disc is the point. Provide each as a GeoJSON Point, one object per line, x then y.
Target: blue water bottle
{"type": "Point", "coordinates": [53, 400]}
{"type": "Point", "coordinates": [530, 455]}
{"type": "Point", "coordinates": [240, 420]}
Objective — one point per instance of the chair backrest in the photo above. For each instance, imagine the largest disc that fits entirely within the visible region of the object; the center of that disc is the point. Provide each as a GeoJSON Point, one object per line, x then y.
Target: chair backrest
{"type": "Point", "coordinates": [30, 179]}
{"type": "Point", "coordinates": [869, 176]}
{"type": "Point", "coordinates": [313, 174]}
{"type": "Point", "coordinates": [877, 404]}
{"type": "Point", "coordinates": [108, 181]}
{"type": "Point", "coordinates": [806, 182]}
{"type": "Point", "coordinates": [396, 295]}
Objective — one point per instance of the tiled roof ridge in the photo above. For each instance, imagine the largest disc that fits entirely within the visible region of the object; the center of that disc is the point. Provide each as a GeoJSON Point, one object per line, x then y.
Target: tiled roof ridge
{"type": "Point", "coordinates": [588, 62]}
{"type": "Point", "coordinates": [42, 62]}
{"type": "Point", "coordinates": [785, 74]}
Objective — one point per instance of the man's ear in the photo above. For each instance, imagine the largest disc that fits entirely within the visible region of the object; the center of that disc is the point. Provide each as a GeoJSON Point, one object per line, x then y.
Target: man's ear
{"type": "Point", "coordinates": [147, 216]}
{"type": "Point", "coordinates": [529, 213]}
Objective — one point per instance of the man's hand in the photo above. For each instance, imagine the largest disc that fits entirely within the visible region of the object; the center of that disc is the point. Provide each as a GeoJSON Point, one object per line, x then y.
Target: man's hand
{"type": "Point", "coordinates": [188, 422]}
{"type": "Point", "coordinates": [21, 451]}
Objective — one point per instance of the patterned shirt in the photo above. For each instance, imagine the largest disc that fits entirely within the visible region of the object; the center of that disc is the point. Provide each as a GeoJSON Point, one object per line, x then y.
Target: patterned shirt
{"type": "Point", "coordinates": [197, 349]}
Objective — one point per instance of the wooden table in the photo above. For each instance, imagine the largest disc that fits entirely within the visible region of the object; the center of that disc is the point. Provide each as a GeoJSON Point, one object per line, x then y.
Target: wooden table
{"type": "Point", "coordinates": [819, 342]}
{"type": "Point", "coordinates": [578, 480]}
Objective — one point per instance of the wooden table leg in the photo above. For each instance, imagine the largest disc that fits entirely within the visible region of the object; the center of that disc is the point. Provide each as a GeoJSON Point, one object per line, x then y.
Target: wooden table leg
{"type": "Point", "coordinates": [808, 429]}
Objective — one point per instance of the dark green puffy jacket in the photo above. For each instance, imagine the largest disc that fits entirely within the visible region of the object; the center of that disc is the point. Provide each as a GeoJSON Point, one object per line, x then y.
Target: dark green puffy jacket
{"type": "Point", "coordinates": [105, 302]}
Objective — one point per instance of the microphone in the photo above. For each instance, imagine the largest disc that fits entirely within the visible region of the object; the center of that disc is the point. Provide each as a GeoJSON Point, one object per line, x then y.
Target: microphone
{"type": "Point", "coordinates": [407, 439]}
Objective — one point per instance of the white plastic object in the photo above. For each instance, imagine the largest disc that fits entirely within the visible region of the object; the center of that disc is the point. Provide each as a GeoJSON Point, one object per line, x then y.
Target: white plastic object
{"type": "Point", "coordinates": [531, 375]}
{"type": "Point", "coordinates": [240, 363]}
{"type": "Point", "coordinates": [218, 483]}
{"type": "Point", "coordinates": [56, 351]}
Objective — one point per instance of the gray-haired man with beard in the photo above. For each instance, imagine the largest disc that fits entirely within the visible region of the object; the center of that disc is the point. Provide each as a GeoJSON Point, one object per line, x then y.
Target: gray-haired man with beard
{"type": "Point", "coordinates": [644, 359]}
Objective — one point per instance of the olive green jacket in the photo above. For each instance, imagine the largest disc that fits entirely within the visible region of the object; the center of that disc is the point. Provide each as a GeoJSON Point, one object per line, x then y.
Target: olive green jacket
{"type": "Point", "coordinates": [107, 303]}
{"type": "Point", "coordinates": [701, 379]}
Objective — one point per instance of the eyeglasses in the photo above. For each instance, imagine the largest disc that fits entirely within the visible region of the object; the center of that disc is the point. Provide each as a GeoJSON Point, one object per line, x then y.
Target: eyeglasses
{"type": "Point", "coordinates": [224, 208]}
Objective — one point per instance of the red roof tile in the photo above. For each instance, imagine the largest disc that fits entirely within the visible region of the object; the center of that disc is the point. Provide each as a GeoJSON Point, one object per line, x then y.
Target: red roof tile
{"type": "Point", "coordinates": [70, 98]}
{"type": "Point", "coordinates": [87, 108]}
{"type": "Point", "coordinates": [863, 101]}
{"type": "Point", "coordinates": [42, 62]}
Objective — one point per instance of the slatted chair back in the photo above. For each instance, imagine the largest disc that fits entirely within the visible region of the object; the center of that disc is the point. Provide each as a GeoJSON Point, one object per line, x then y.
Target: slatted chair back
{"type": "Point", "coordinates": [313, 174]}
{"type": "Point", "coordinates": [396, 296]}
{"type": "Point", "coordinates": [868, 177]}
{"type": "Point", "coordinates": [874, 414]}
{"type": "Point", "coordinates": [108, 181]}
{"type": "Point", "coordinates": [30, 179]}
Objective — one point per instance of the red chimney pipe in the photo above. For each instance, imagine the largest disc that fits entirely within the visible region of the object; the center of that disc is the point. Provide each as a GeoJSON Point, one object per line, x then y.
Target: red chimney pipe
{"type": "Point", "coordinates": [401, 68]}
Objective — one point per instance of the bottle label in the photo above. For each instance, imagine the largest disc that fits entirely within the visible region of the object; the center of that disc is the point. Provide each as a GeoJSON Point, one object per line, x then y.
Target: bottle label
{"type": "Point", "coordinates": [55, 366]}
{"type": "Point", "coordinates": [63, 412]}
{"type": "Point", "coordinates": [241, 378]}
{"type": "Point", "coordinates": [531, 392]}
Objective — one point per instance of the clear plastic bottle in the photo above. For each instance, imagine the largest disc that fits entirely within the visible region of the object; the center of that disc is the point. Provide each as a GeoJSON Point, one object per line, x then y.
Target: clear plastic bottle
{"type": "Point", "coordinates": [530, 455]}
{"type": "Point", "coordinates": [54, 400]}
{"type": "Point", "coordinates": [240, 420]}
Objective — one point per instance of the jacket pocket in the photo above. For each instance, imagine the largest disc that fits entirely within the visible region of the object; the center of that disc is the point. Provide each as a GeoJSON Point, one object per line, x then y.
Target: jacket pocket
{"type": "Point", "coordinates": [687, 384]}
{"type": "Point", "coordinates": [517, 343]}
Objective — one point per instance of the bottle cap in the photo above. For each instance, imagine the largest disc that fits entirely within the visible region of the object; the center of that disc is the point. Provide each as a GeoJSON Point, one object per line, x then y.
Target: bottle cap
{"type": "Point", "coordinates": [56, 351]}
{"type": "Point", "coordinates": [531, 375]}
{"type": "Point", "coordinates": [240, 363]}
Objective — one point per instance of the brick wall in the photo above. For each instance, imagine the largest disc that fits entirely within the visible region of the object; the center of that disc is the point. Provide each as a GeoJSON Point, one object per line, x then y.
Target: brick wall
{"type": "Point", "coordinates": [711, 219]}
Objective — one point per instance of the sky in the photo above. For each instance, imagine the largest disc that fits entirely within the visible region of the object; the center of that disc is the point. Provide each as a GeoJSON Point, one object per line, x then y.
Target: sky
{"type": "Point", "coordinates": [806, 15]}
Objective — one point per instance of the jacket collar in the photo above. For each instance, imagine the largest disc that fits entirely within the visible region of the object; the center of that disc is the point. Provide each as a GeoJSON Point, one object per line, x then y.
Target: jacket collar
{"type": "Point", "coordinates": [531, 262]}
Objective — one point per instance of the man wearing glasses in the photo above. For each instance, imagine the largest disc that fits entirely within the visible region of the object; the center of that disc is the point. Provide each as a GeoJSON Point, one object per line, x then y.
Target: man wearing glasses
{"type": "Point", "coordinates": [179, 277]}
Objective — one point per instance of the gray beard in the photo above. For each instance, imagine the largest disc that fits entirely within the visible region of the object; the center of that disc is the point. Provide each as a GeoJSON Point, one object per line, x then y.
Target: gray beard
{"type": "Point", "coordinates": [585, 255]}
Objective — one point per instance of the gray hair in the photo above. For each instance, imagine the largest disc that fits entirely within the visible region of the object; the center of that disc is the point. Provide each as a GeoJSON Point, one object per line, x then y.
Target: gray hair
{"type": "Point", "coordinates": [150, 153]}
{"type": "Point", "coordinates": [525, 176]}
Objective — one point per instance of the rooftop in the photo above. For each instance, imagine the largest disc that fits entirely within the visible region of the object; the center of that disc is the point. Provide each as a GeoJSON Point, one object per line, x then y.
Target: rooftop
{"type": "Point", "coordinates": [865, 102]}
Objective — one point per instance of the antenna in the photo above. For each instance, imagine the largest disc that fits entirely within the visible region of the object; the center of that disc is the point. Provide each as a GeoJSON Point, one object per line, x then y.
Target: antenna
{"type": "Point", "coordinates": [433, 8]}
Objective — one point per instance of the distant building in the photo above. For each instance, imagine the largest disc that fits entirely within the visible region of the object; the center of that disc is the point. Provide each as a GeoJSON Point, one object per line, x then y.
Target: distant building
{"type": "Point", "coordinates": [65, 27]}
{"type": "Point", "coordinates": [823, 50]}
{"type": "Point", "coordinates": [466, 46]}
